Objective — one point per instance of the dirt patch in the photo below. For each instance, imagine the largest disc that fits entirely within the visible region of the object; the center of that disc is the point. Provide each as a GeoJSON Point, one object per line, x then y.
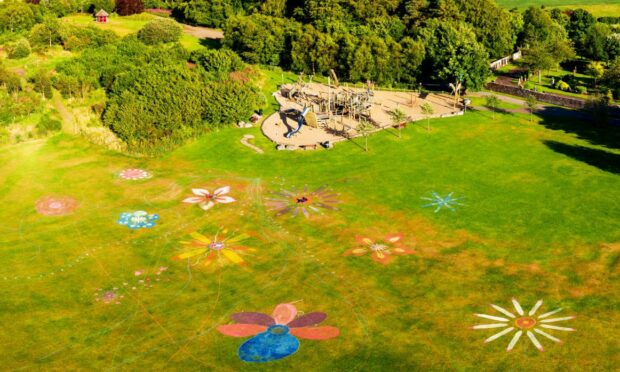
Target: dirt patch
{"type": "Point", "coordinates": [203, 32]}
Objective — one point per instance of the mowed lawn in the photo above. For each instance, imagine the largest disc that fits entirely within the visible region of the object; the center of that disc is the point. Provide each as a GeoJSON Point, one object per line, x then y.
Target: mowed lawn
{"type": "Point", "coordinates": [539, 220]}
{"type": "Point", "coordinates": [599, 8]}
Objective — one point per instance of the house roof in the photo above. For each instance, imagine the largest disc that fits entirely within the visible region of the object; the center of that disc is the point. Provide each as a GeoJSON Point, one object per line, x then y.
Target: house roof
{"type": "Point", "coordinates": [101, 13]}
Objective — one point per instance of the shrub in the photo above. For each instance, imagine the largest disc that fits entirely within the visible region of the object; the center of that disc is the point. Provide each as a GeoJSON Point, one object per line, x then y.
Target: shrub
{"type": "Point", "coordinates": [160, 30]}
{"type": "Point", "coordinates": [47, 124]}
{"type": "Point", "coordinates": [218, 61]}
{"type": "Point", "coordinates": [581, 89]}
{"type": "Point", "coordinates": [19, 49]}
{"type": "Point", "coordinates": [42, 83]}
{"type": "Point", "coordinates": [77, 38]}
{"type": "Point", "coordinates": [10, 80]}
{"type": "Point", "coordinates": [563, 86]}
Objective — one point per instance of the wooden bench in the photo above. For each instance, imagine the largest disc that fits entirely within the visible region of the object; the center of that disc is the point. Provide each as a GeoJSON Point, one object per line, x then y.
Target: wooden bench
{"type": "Point", "coordinates": [308, 147]}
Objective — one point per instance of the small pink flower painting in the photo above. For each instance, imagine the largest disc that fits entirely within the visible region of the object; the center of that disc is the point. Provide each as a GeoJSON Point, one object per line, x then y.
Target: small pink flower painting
{"type": "Point", "coordinates": [381, 251]}
{"type": "Point", "coordinates": [134, 174]}
{"type": "Point", "coordinates": [56, 205]}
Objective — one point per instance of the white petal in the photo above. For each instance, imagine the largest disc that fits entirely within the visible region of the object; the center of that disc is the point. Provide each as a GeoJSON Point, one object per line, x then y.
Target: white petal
{"type": "Point", "coordinates": [200, 192]}
{"type": "Point", "coordinates": [548, 326]}
{"type": "Point", "coordinates": [193, 199]}
{"type": "Point", "coordinates": [498, 335]}
{"type": "Point", "coordinates": [502, 310]}
{"type": "Point", "coordinates": [535, 308]}
{"type": "Point", "coordinates": [514, 340]}
{"type": "Point", "coordinates": [222, 190]}
{"type": "Point", "coordinates": [550, 313]}
{"type": "Point", "coordinates": [207, 206]}
{"type": "Point", "coordinates": [535, 341]}
{"type": "Point", "coordinates": [492, 317]}
{"type": "Point", "coordinates": [517, 306]}
{"type": "Point", "coordinates": [547, 335]}
{"type": "Point", "coordinates": [225, 199]}
{"type": "Point", "coordinates": [485, 326]}
{"type": "Point", "coordinates": [553, 320]}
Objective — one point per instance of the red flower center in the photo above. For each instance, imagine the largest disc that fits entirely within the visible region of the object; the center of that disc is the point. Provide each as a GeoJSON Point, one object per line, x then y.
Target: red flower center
{"type": "Point", "coordinates": [217, 246]}
{"type": "Point", "coordinates": [525, 322]}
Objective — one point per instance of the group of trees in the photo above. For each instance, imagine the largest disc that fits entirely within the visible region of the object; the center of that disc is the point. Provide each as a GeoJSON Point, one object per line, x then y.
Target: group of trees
{"type": "Point", "coordinates": [392, 42]}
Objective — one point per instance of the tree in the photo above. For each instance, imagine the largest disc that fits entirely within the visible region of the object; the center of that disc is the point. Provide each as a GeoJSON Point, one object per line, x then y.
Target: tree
{"type": "Point", "coordinates": [398, 118]}
{"type": "Point", "coordinates": [129, 7]}
{"type": "Point", "coordinates": [212, 13]}
{"type": "Point", "coordinates": [611, 78]}
{"type": "Point", "coordinates": [42, 83]}
{"type": "Point", "coordinates": [531, 102]}
{"type": "Point", "coordinates": [452, 52]}
{"type": "Point", "coordinates": [16, 16]}
{"type": "Point", "coordinates": [19, 49]}
{"type": "Point", "coordinates": [580, 22]}
{"type": "Point", "coordinates": [220, 62]}
{"type": "Point", "coordinates": [365, 129]}
{"type": "Point", "coordinates": [492, 102]}
{"type": "Point", "coordinates": [427, 111]}
{"type": "Point", "coordinates": [44, 35]}
{"type": "Point", "coordinates": [160, 30]}
{"type": "Point", "coordinates": [595, 42]}
{"type": "Point", "coordinates": [596, 70]}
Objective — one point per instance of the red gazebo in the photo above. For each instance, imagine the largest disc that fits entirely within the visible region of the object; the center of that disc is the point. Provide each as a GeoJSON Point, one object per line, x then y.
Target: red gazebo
{"type": "Point", "coordinates": [102, 16]}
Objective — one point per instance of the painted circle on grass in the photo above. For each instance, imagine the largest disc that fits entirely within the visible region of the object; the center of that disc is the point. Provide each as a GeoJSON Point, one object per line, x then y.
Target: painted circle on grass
{"type": "Point", "coordinates": [134, 174]}
{"type": "Point", "coordinates": [56, 205]}
{"type": "Point", "coordinates": [525, 322]}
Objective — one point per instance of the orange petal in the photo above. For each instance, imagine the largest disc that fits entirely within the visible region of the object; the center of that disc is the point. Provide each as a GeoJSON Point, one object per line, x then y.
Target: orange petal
{"type": "Point", "coordinates": [364, 240]}
{"type": "Point", "coordinates": [315, 333]}
{"type": "Point", "coordinates": [381, 257]}
{"type": "Point", "coordinates": [241, 330]}
{"type": "Point", "coordinates": [284, 313]}
{"type": "Point", "coordinates": [393, 238]}
{"type": "Point", "coordinates": [357, 251]}
{"type": "Point", "coordinates": [401, 251]}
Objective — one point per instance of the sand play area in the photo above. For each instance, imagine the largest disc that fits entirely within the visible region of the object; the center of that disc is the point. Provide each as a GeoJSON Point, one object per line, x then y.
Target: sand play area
{"type": "Point", "coordinates": [333, 113]}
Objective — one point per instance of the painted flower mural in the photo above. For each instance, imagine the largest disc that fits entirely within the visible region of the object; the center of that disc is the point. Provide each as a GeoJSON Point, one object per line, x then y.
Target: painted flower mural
{"type": "Point", "coordinates": [220, 249]}
{"type": "Point", "coordinates": [528, 324]}
{"type": "Point", "coordinates": [56, 205]}
{"type": "Point", "coordinates": [138, 220]}
{"type": "Point", "coordinates": [302, 201]}
{"type": "Point", "coordinates": [381, 251]}
{"type": "Point", "coordinates": [275, 337]}
{"type": "Point", "coordinates": [134, 174]}
{"type": "Point", "coordinates": [440, 202]}
{"type": "Point", "coordinates": [206, 200]}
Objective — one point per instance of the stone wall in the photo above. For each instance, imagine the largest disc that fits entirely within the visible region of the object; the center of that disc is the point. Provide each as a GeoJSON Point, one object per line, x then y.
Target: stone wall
{"type": "Point", "coordinates": [554, 99]}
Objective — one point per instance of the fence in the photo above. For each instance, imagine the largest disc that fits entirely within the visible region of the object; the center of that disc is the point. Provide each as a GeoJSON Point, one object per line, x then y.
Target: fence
{"type": "Point", "coordinates": [506, 60]}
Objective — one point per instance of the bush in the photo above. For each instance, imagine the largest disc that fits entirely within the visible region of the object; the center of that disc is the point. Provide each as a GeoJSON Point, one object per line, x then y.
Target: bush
{"type": "Point", "coordinates": [10, 80]}
{"type": "Point", "coordinates": [563, 86]}
{"type": "Point", "coordinates": [47, 124]}
{"type": "Point", "coordinates": [42, 83]}
{"type": "Point", "coordinates": [160, 30]}
{"type": "Point", "coordinates": [218, 61]}
{"type": "Point", "coordinates": [77, 38]}
{"type": "Point", "coordinates": [19, 49]}
{"type": "Point", "coordinates": [581, 89]}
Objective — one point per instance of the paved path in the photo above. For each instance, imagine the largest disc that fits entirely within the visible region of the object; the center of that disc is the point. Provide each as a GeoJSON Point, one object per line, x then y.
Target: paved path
{"type": "Point", "coordinates": [245, 142]}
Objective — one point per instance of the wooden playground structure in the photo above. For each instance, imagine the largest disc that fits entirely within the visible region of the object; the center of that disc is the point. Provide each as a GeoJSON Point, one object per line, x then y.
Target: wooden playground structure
{"type": "Point", "coordinates": [313, 114]}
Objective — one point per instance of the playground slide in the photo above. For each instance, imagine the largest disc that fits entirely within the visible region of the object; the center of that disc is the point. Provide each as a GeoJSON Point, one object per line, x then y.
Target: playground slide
{"type": "Point", "coordinates": [300, 122]}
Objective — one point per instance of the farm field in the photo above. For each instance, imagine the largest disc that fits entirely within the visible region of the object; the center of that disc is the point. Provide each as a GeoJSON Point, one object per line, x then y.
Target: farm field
{"type": "Point", "coordinates": [599, 8]}
{"type": "Point", "coordinates": [536, 217]}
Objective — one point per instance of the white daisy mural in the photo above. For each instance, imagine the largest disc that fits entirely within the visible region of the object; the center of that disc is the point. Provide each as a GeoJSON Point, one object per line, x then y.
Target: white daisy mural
{"type": "Point", "coordinates": [522, 323]}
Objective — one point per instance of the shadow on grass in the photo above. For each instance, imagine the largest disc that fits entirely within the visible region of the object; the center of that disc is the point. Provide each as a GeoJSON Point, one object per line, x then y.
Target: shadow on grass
{"type": "Point", "coordinates": [211, 43]}
{"type": "Point", "coordinates": [601, 159]}
{"type": "Point", "coordinates": [582, 124]}
{"type": "Point", "coordinates": [488, 112]}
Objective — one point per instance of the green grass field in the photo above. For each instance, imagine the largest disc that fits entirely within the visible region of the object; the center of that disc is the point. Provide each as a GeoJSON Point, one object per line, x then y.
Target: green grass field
{"type": "Point", "coordinates": [599, 8]}
{"type": "Point", "coordinates": [539, 220]}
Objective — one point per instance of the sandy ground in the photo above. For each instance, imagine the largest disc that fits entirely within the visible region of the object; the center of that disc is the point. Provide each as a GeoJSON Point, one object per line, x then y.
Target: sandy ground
{"type": "Point", "coordinates": [278, 124]}
{"type": "Point", "coordinates": [203, 32]}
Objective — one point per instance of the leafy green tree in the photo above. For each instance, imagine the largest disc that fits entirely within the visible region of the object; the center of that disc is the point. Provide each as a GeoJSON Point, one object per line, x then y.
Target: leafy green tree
{"type": "Point", "coordinates": [531, 103]}
{"type": "Point", "coordinates": [365, 128]}
{"type": "Point", "coordinates": [19, 49]}
{"type": "Point", "coordinates": [612, 47]}
{"type": "Point", "coordinates": [414, 12]}
{"type": "Point", "coordinates": [580, 22]}
{"type": "Point", "coordinates": [611, 78]}
{"type": "Point", "coordinates": [413, 53]}
{"type": "Point", "coordinates": [492, 102]}
{"type": "Point", "coordinates": [427, 111]}
{"type": "Point", "coordinates": [160, 30]}
{"type": "Point", "coordinates": [452, 53]}
{"type": "Point", "coordinates": [93, 6]}
{"type": "Point", "coordinates": [212, 13]}
{"type": "Point", "coordinates": [42, 83]}
{"type": "Point", "coordinates": [595, 42]}
{"type": "Point", "coordinates": [228, 102]}
{"type": "Point", "coordinates": [314, 52]}
{"type": "Point", "coordinates": [45, 34]}
{"type": "Point", "coordinates": [16, 16]}
{"type": "Point", "coordinates": [596, 70]}
{"type": "Point", "coordinates": [398, 118]}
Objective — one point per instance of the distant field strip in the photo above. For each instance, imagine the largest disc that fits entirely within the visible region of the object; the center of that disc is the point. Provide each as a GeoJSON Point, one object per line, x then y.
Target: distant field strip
{"type": "Point", "coordinates": [597, 7]}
